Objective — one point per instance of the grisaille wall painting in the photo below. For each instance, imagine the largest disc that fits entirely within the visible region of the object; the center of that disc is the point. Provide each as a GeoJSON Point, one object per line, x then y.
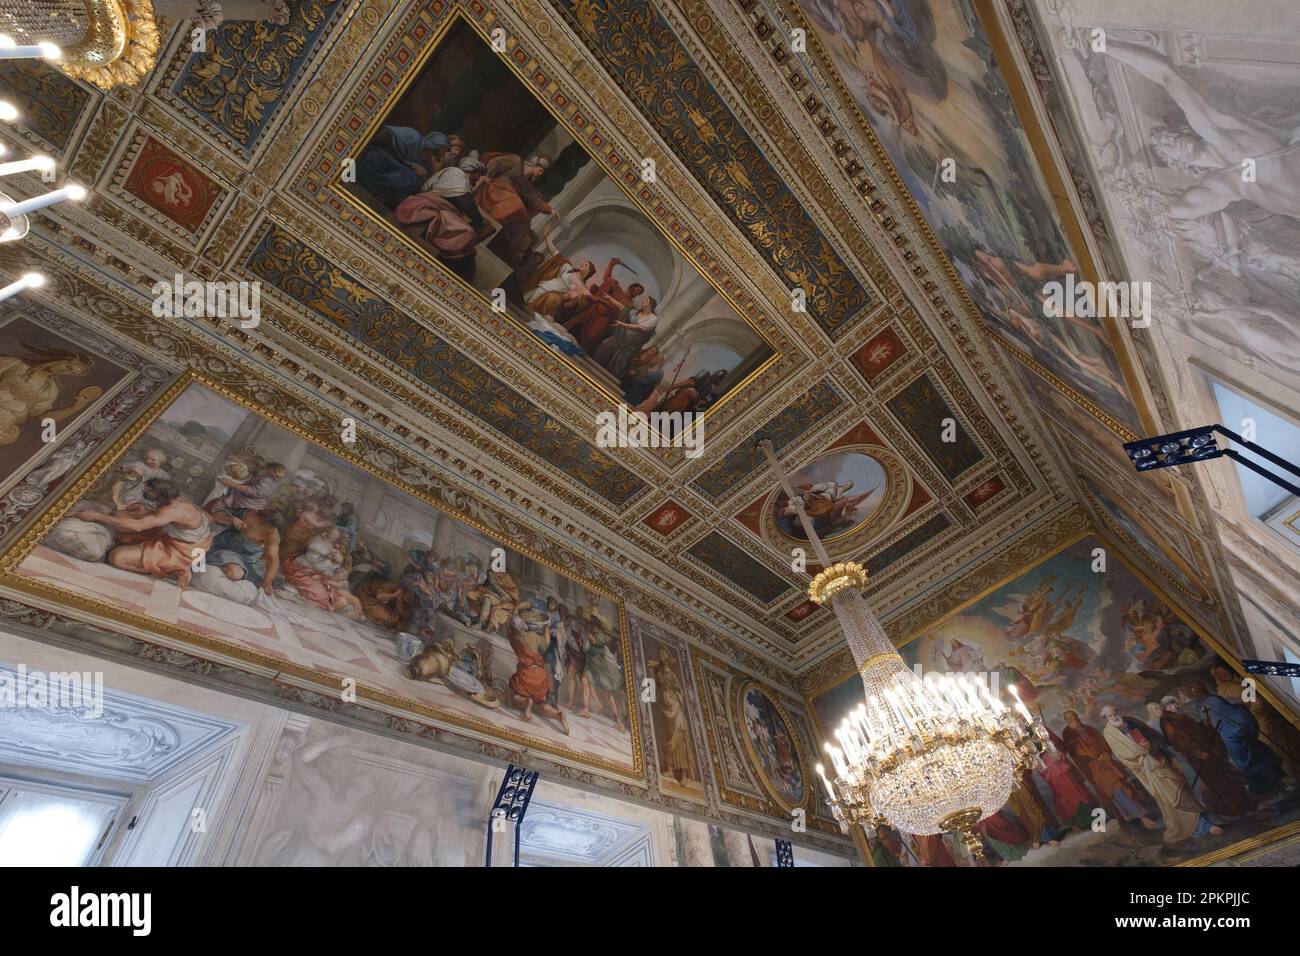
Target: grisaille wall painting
{"type": "Point", "coordinates": [313, 562]}
{"type": "Point", "coordinates": [1147, 721]}
{"type": "Point", "coordinates": [923, 75]}
{"type": "Point", "coordinates": [1170, 118]}
{"type": "Point", "coordinates": [475, 169]}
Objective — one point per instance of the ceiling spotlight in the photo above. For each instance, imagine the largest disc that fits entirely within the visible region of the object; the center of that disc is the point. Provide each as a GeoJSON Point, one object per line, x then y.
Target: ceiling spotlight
{"type": "Point", "coordinates": [32, 280]}
{"type": "Point", "coordinates": [1198, 444]}
{"type": "Point", "coordinates": [75, 193]}
{"type": "Point", "coordinates": [8, 112]}
{"type": "Point", "coordinates": [10, 50]}
{"type": "Point", "coordinates": [41, 163]}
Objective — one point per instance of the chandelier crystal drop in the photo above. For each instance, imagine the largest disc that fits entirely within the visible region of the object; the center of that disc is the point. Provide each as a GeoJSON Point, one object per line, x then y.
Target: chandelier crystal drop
{"type": "Point", "coordinates": [923, 756]}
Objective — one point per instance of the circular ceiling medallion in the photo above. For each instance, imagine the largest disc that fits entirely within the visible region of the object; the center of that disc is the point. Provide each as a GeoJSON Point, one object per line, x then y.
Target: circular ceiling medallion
{"type": "Point", "coordinates": [844, 490]}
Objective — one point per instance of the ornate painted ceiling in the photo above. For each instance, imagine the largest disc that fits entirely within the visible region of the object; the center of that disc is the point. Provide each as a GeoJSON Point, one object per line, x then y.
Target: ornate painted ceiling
{"type": "Point", "coordinates": [872, 317]}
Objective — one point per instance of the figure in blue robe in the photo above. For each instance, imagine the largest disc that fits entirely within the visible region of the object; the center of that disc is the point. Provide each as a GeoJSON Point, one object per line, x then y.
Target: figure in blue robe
{"type": "Point", "coordinates": [385, 166]}
{"type": "Point", "coordinates": [1239, 730]}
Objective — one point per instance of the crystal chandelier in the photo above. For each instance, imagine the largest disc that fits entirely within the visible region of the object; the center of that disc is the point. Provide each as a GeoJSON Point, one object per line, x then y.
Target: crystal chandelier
{"type": "Point", "coordinates": [923, 756]}
{"type": "Point", "coordinates": [104, 42]}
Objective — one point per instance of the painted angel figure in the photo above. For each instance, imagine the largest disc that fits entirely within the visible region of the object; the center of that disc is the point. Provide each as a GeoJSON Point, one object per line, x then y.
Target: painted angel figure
{"type": "Point", "coordinates": [1028, 613]}
{"type": "Point", "coordinates": [828, 503]}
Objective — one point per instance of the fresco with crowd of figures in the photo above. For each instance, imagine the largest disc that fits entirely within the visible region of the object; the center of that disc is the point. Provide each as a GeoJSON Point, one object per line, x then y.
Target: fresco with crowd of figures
{"type": "Point", "coordinates": [221, 524]}
{"type": "Point", "coordinates": [923, 75]}
{"type": "Point", "coordinates": [473, 167]}
{"type": "Point", "coordinates": [1153, 733]}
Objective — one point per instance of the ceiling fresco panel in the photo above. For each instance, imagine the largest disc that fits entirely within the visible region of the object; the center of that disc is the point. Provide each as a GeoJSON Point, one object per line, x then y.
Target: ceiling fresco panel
{"type": "Point", "coordinates": [167, 184]}
{"type": "Point", "coordinates": [359, 313]}
{"type": "Point", "coordinates": [638, 47]}
{"type": "Point", "coordinates": [926, 84]}
{"type": "Point", "coordinates": [580, 278]}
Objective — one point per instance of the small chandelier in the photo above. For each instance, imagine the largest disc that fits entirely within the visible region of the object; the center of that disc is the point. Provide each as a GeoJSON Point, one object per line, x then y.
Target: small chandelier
{"type": "Point", "coordinates": [923, 756]}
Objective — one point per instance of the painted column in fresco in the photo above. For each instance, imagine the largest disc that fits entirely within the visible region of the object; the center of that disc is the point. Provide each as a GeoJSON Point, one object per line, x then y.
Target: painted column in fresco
{"type": "Point", "coordinates": [697, 848]}
{"type": "Point", "coordinates": [737, 844]}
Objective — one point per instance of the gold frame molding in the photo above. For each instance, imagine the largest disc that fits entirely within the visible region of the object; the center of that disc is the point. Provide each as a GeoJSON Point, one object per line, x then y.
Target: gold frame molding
{"type": "Point", "coordinates": [57, 598]}
{"type": "Point", "coordinates": [457, 15]}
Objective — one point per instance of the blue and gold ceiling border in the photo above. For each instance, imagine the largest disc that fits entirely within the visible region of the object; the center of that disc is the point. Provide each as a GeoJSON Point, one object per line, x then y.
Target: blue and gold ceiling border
{"type": "Point", "coordinates": [237, 84]}
{"type": "Point", "coordinates": [648, 61]}
{"type": "Point", "coordinates": [735, 564]}
{"type": "Point", "coordinates": [922, 409]}
{"type": "Point", "coordinates": [284, 261]}
{"type": "Point", "coordinates": [52, 104]}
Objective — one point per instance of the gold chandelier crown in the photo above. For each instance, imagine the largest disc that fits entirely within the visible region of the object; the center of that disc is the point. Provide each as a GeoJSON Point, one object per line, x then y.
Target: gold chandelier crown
{"type": "Point", "coordinates": [843, 576]}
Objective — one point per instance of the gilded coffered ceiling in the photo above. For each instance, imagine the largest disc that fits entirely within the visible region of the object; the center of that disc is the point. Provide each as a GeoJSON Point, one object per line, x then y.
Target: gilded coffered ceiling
{"type": "Point", "coordinates": [851, 340]}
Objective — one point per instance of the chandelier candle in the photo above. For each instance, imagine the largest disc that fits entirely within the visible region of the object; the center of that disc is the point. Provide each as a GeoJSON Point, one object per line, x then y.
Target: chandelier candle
{"type": "Point", "coordinates": [922, 756]}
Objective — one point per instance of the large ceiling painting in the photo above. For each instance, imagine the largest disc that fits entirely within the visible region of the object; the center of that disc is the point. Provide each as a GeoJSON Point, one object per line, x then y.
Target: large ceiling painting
{"type": "Point", "coordinates": [1151, 733]}
{"type": "Point", "coordinates": [378, 294]}
{"type": "Point", "coordinates": [923, 76]}
{"type": "Point", "coordinates": [217, 526]}
{"type": "Point", "coordinates": [475, 170]}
